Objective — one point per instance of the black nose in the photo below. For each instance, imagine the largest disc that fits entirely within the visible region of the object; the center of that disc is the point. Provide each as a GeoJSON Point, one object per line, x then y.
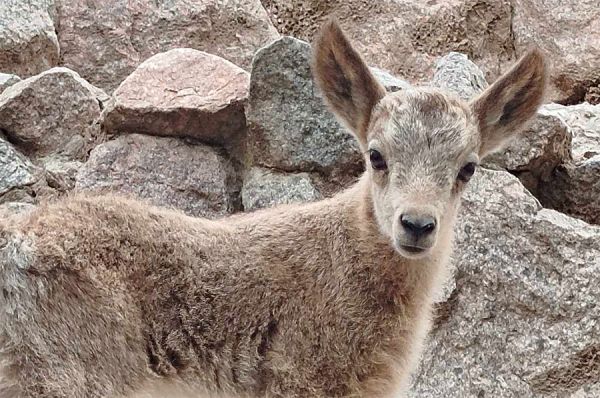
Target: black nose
{"type": "Point", "coordinates": [418, 226]}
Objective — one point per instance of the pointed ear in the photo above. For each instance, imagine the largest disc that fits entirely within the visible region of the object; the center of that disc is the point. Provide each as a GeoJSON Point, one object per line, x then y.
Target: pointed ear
{"type": "Point", "coordinates": [505, 108]}
{"type": "Point", "coordinates": [350, 89]}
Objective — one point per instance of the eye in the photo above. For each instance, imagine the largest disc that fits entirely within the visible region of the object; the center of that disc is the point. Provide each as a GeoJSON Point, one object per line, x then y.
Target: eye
{"type": "Point", "coordinates": [377, 160]}
{"type": "Point", "coordinates": [466, 172]}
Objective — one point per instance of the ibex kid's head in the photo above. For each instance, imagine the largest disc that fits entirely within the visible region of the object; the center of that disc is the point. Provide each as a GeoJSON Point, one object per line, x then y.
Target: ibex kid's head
{"type": "Point", "coordinates": [421, 145]}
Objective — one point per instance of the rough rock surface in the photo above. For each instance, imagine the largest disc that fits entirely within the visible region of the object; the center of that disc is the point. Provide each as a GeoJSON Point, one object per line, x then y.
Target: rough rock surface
{"type": "Point", "coordinates": [16, 171]}
{"type": "Point", "coordinates": [181, 92]}
{"type": "Point", "coordinates": [166, 171]}
{"type": "Point", "coordinates": [289, 127]}
{"type": "Point", "coordinates": [569, 33]}
{"type": "Point", "coordinates": [265, 188]}
{"type": "Point", "coordinates": [389, 81]}
{"type": "Point", "coordinates": [55, 112]}
{"type": "Point", "coordinates": [28, 42]}
{"type": "Point", "coordinates": [105, 43]}
{"type": "Point", "coordinates": [539, 149]}
{"type": "Point", "coordinates": [575, 189]}
{"type": "Point", "coordinates": [15, 209]}
{"type": "Point", "coordinates": [457, 74]}
{"type": "Point", "coordinates": [407, 36]}
{"type": "Point", "coordinates": [7, 80]}
{"type": "Point", "coordinates": [583, 120]}
{"type": "Point", "coordinates": [523, 320]}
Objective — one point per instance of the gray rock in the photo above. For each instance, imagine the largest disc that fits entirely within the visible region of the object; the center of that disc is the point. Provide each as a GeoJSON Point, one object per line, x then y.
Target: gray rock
{"type": "Point", "coordinates": [457, 74]}
{"type": "Point", "coordinates": [28, 42]}
{"type": "Point", "coordinates": [106, 40]}
{"type": "Point", "coordinates": [568, 33]}
{"type": "Point", "coordinates": [389, 81]}
{"type": "Point", "coordinates": [583, 120]}
{"type": "Point", "coordinates": [166, 171]}
{"type": "Point", "coordinates": [61, 173]}
{"type": "Point", "coordinates": [7, 80]}
{"type": "Point", "coordinates": [524, 318]}
{"type": "Point", "coordinates": [289, 127]}
{"type": "Point", "coordinates": [15, 209]}
{"type": "Point", "coordinates": [16, 171]}
{"type": "Point", "coordinates": [182, 93]}
{"type": "Point", "coordinates": [575, 189]}
{"type": "Point", "coordinates": [55, 112]}
{"type": "Point", "coordinates": [536, 152]}
{"type": "Point", "coordinates": [266, 188]}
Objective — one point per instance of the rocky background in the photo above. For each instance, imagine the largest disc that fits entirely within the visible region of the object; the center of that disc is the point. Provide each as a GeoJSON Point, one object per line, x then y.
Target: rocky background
{"type": "Point", "coordinates": [207, 106]}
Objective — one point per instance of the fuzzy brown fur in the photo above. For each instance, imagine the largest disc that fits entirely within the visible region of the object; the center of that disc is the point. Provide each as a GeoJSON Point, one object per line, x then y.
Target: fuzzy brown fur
{"type": "Point", "coordinates": [102, 296]}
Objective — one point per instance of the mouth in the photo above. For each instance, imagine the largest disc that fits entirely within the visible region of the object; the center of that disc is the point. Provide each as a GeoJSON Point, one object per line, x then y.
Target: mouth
{"type": "Point", "coordinates": [412, 249]}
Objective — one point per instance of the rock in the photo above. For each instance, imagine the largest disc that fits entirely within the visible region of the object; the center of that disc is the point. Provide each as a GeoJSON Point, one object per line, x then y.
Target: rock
{"type": "Point", "coordinates": [61, 173]}
{"type": "Point", "coordinates": [583, 120]}
{"type": "Point", "coordinates": [538, 150]}
{"type": "Point", "coordinates": [166, 171]}
{"type": "Point", "coordinates": [575, 189]}
{"type": "Point", "coordinates": [16, 171]}
{"type": "Point", "coordinates": [457, 74]}
{"type": "Point", "coordinates": [28, 42]}
{"type": "Point", "coordinates": [289, 127]}
{"type": "Point", "coordinates": [568, 33]}
{"type": "Point", "coordinates": [106, 42]}
{"type": "Point", "coordinates": [7, 80]}
{"type": "Point", "coordinates": [181, 92]}
{"type": "Point", "coordinates": [15, 209]}
{"type": "Point", "coordinates": [406, 37]}
{"type": "Point", "coordinates": [55, 112]}
{"type": "Point", "coordinates": [389, 81]}
{"type": "Point", "coordinates": [523, 320]}
{"type": "Point", "coordinates": [265, 188]}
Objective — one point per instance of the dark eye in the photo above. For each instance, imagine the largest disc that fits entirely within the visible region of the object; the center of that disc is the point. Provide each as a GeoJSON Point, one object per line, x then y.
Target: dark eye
{"type": "Point", "coordinates": [377, 160]}
{"type": "Point", "coordinates": [466, 172]}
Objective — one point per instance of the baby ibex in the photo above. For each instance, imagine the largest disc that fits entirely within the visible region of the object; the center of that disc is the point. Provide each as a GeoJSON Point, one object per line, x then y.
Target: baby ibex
{"type": "Point", "coordinates": [108, 297]}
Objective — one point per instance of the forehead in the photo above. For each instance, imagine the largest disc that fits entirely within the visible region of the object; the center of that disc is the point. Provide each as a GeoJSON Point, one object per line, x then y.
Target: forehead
{"type": "Point", "coordinates": [424, 120]}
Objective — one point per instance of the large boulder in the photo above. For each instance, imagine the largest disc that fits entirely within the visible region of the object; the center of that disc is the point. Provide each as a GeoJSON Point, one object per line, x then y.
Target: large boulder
{"type": "Point", "coordinates": [583, 120]}
{"type": "Point", "coordinates": [408, 36]}
{"type": "Point", "coordinates": [266, 188]}
{"type": "Point", "coordinates": [53, 113]}
{"type": "Point", "coordinates": [28, 42]}
{"type": "Point", "coordinates": [568, 33]}
{"type": "Point", "coordinates": [289, 127]}
{"type": "Point", "coordinates": [574, 186]}
{"type": "Point", "coordinates": [107, 41]}
{"type": "Point", "coordinates": [523, 319]}
{"type": "Point", "coordinates": [16, 171]}
{"type": "Point", "coordinates": [575, 189]}
{"type": "Point", "coordinates": [181, 92]}
{"type": "Point", "coordinates": [165, 171]}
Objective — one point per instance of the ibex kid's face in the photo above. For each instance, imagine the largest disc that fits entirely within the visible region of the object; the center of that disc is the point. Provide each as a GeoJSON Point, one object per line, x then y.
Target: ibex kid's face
{"type": "Point", "coordinates": [421, 145]}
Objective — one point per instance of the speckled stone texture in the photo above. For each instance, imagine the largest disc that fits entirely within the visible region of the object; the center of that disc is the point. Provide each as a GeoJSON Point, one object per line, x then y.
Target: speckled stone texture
{"type": "Point", "coordinates": [266, 188]}
{"type": "Point", "coordinates": [524, 319]}
{"type": "Point", "coordinates": [165, 171]}
{"type": "Point", "coordinates": [107, 41]}
{"type": "Point", "coordinates": [568, 33]}
{"type": "Point", "coordinates": [16, 171]}
{"type": "Point", "coordinates": [53, 113]}
{"type": "Point", "coordinates": [182, 93]}
{"type": "Point", "coordinates": [28, 42]}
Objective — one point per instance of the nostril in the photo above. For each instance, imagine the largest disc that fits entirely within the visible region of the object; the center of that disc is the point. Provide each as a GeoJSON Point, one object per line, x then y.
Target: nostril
{"type": "Point", "coordinates": [416, 225]}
